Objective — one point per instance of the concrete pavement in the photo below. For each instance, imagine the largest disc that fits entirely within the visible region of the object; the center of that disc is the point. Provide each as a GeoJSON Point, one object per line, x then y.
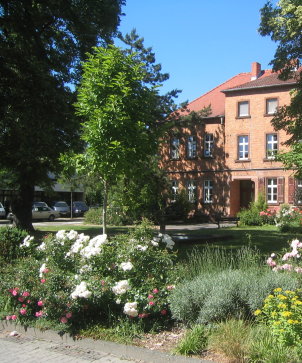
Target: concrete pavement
{"type": "Point", "coordinates": [33, 346]}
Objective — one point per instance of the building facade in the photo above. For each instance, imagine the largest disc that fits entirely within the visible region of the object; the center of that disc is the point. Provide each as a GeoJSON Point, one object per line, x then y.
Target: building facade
{"type": "Point", "coordinates": [226, 159]}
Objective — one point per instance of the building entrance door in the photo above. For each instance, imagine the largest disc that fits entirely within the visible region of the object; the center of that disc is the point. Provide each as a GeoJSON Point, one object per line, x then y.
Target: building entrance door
{"type": "Point", "coordinates": [247, 193]}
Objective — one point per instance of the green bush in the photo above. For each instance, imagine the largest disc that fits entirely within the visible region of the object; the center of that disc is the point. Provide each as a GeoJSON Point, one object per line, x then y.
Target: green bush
{"type": "Point", "coordinates": [211, 297]}
{"type": "Point", "coordinates": [114, 217]}
{"type": "Point", "coordinates": [10, 240]}
{"type": "Point", "coordinates": [93, 216]}
{"type": "Point", "coordinates": [251, 216]}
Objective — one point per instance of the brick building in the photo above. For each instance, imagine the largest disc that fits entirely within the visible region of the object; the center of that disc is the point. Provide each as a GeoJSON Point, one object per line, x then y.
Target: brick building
{"type": "Point", "coordinates": [227, 158]}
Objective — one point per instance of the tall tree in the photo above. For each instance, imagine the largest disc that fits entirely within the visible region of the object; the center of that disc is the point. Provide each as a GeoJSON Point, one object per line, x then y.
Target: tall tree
{"type": "Point", "coordinates": [283, 23]}
{"type": "Point", "coordinates": [121, 106]}
{"type": "Point", "coordinates": [41, 46]}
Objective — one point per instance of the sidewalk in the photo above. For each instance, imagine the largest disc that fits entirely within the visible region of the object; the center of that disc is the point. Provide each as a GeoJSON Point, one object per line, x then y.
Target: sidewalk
{"type": "Point", "coordinates": [34, 346]}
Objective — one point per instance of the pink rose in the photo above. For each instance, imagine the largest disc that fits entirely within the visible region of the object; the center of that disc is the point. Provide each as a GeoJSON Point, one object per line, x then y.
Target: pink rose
{"type": "Point", "coordinates": [68, 315]}
{"type": "Point", "coordinates": [14, 292]}
{"type": "Point", "coordinates": [43, 281]}
{"type": "Point", "coordinates": [40, 303]}
{"type": "Point", "coordinates": [21, 299]}
{"type": "Point", "coordinates": [23, 311]}
{"type": "Point", "coordinates": [8, 317]}
{"type": "Point", "coordinates": [63, 320]}
{"type": "Point", "coordinates": [26, 293]}
{"type": "Point", "coordinates": [155, 291]}
{"type": "Point", "coordinates": [14, 317]}
{"type": "Point", "coordinates": [164, 312]}
{"type": "Point", "coordinates": [39, 314]}
{"type": "Point", "coordinates": [151, 303]}
{"type": "Point", "coordinates": [150, 297]}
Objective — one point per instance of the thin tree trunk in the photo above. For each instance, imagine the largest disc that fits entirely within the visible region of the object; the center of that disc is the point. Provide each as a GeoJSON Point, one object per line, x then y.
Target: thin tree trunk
{"type": "Point", "coordinates": [71, 201]}
{"type": "Point", "coordinates": [105, 199]}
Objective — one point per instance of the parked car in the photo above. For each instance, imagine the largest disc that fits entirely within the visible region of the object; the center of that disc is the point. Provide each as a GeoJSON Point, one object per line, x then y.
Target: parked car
{"type": "Point", "coordinates": [39, 204]}
{"type": "Point", "coordinates": [79, 208]}
{"type": "Point", "coordinates": [61, 207]}
{"type": "Point", "coordinates": [2, 211]}
{"type": "Point", "coordinates": [40, 213]}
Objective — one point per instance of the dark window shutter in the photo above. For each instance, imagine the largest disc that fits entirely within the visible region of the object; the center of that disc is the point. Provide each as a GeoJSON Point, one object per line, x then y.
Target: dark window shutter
{"type": "Point", "coordinates": [291, 190]}
{"type": "Point", "coordinates": [281, 190]}
{"type": "Point", "coordinates": [261, 186]}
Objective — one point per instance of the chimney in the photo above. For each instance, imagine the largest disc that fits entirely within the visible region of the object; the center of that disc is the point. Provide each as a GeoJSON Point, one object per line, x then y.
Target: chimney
{"type": "Point", "coordinates": [256, 70]}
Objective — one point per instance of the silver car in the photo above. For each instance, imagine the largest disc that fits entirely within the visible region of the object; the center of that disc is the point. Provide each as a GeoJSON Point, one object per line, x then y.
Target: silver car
{"type": "Point", "coordinates": [61, 207]}
{"type": "Point", "coordinates": [40, 213]}
{"type": "Point", "coordinates": [2, 211]}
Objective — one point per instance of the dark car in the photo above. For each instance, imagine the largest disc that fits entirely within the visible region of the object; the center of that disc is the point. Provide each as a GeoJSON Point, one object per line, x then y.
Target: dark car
{"type": "Point", "coordinates": [79, 208]}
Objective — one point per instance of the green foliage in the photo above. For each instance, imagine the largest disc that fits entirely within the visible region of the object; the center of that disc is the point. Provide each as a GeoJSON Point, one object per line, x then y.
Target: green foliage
{"type": "Point", "coordinates": [251, 216]}
{"type": "Point", "coordinates": [10, 240]}
{"type": "Point", "coordinates": [93, 216]}
{"type": "Point", "coordinates": [282, 312]}
{"type": "Point", "coordinates": [211, 297]}
{"type": "Point", "coordinates": [194, 341]}
{"type": "Point", "coordinates": [288, 218]}
{"type": "Point", "coordinates": [44, 44]}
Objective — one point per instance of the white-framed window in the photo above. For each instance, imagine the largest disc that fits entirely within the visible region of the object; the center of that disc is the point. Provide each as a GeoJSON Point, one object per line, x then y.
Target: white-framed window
{"type": "Point", "coordinates": [174, 148]}
{"type": "Point", "coordinates": [191, 190]}
{"type": "Point", "coordinates": [272, 190]}
{"type": "Point", "coordinates": [243, 109]}
{"type": "Point", "coordinates": [271, 145]}
{"type": "Point", "coordinates": [208, 144]}
{"type": "Point", "coordinates": [243, 147]}
{"type": "Point", "coordinates": [208, 191]}
{"type": "Point", "coordinates": [175, 188]}
{"type": "Point", "coordinates": [191, 147]}
{"type": "Point", "coordinates": [271, 106]}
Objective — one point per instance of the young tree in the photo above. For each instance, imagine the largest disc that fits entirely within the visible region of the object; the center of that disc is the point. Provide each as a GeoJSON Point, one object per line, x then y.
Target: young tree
{"type": "Point", "coordinates": [42, 44]}
{"type": "Point", "coordinates": [121, 107]}
{"type": "Point", "coordinates": [283, 23]}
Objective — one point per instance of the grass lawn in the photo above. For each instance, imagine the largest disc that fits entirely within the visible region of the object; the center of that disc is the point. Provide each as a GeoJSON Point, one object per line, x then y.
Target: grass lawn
{"type": "Point", "coordinates": [265, 238]}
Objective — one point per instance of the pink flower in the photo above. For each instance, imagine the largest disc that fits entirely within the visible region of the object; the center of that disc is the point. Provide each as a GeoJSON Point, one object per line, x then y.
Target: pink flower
{"type": "Point", "coordinates": [143, 315]}
{"type": "Point", "coordinates": [170, 287]}
{"type": "Point", "coordinates": [40, 303]}
{"type": "Point", "coordinates": [28, 301]}
{"type": "Point", "coordinates": [150, 296]}
{"type": "Point", "coordinates": [23, 305]}
{"type": "Point", "coordinates": [25, 294]}
{"type": "Point", "coordinates": [151, 303]}
{"type": "Point", "coordinates": [287, 267]}
{"type": "Point", "coordinates": [103, 283]}
{"type": "Point", "coordinates": [21, 299]}
{"type": "Point", "coordinates": [64, 320]}
{"type": "Point", "coordinates": [43, 281]}
{"type": "Point", "coordinates": [68, 315]}
{"type": "Point", "coordinates": [8, 317]}
{"type": "Point", "coordinates": [14, 317]}
{"type": "Point", "coordinates": [262, 213]}
{"type": "Point", "coordinates": [155, 291]}
{"type": "Point", "coordinates": [298, 270]}
{"type": "Point", "coordinates": [271, 262]}
{"type": "Point", "coordinates": [39, 314]}
{"type": "Point", "coordinates": [164, 312]}
{"type": "Point", "coordinates": [23, 311]}
{"type": "Point", "coordinates": [45, 270]}
{"type": "Point", "coordinates": [14, 292]}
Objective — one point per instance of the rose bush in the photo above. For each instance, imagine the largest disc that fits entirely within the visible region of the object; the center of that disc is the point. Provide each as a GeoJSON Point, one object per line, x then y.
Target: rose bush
{"type": "Point", "coordinates": [72, 278]}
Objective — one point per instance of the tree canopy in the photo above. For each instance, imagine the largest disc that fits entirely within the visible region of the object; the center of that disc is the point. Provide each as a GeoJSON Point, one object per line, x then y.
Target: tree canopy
{"type": "Point", "coordinates": [283, 23]}
{"type": "Point", "coordinates": [41, 46]}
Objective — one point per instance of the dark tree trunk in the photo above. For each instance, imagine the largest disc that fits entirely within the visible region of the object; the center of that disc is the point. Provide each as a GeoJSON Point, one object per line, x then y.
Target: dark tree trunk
{"type": "Point", "coordinates": [22, 208]}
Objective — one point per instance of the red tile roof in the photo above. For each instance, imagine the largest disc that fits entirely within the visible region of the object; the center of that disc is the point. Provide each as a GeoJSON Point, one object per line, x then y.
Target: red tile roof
{"type": "Point", "coordinates": [216, 98]}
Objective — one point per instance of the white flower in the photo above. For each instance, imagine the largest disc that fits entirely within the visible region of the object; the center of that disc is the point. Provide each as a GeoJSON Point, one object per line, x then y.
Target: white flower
{"type": "Point", "coordinates": [85, 268]}
{"type": "Point", "coordinates": [154, 243]}
{"type": "Point", "coordinates": [61, 235]}
{"type": "Point", "coordinates": [141, 248]}
{"type": "Point", "coordinates": [130, 309]}
{"type": "Point", "coordinates": [26, 241]}
{"type": "Point", "coordinates": [72, 235]}
{"type": "Point", "coordinates": [42, 247]}
{"type": "Point", "coordinates": [81, 291]}
{"type": "Point", "coordinates": [118, 301]}
{"type": "Point", "coordinates": [168, 241]}
{"type": "Point", "coordinates": [126, 266]}
{"type": "Point", "coordinates": [121, 287]}
{"type": "Point", "coordinates": [42, 269]}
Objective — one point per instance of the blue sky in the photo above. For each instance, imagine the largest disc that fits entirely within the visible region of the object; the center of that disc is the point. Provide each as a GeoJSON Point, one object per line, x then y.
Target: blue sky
{"type": "Point", "coordinates": [200, 43]}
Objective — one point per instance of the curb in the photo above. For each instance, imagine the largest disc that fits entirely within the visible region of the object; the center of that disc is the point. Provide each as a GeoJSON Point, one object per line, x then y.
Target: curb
{"type": "Point", "coordinates": [120, 350]}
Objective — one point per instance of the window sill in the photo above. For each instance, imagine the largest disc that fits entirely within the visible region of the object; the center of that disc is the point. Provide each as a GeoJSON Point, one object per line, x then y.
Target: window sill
{"type": "Point", "coordinates": [242, 117]}
{"type": "Point", "coordinates": [269, 115]}
{"type": "Point", "coordinates": [242, 160]}
{"type": "Point", "coordinates": [269, 159]}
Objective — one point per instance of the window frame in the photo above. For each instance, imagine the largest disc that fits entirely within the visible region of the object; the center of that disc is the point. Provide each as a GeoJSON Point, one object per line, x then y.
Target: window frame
{"type": "Point", "coordinates": [239, 115]}
{"type": "Point", "coordinates": [174, 189]}
{"type": "Point", "coordinates": [270, 191]}
{"type": "Point", "coordinates": [191, 188]}
{"type": "Point", "coordinates": [244, 150]}
{"type": "Point", "coordinates": [266, 106]}
{"type": "Point", "coordinates": [208, 145]}
{"type": "Point", "coordinates": [174, 148]}
{"type": "Point", "coordinates": [191, 147]}
{"type": "Point", "coordinates": [208, 191]}
{"type": "Point", "coordinates": [273, 142]}
{"type": "Point", "coordinates": [297, 192]}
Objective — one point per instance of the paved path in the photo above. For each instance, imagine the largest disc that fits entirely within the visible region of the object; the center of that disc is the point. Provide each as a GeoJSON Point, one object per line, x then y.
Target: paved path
{"type": "Point", "coordinates": [34, 346]}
